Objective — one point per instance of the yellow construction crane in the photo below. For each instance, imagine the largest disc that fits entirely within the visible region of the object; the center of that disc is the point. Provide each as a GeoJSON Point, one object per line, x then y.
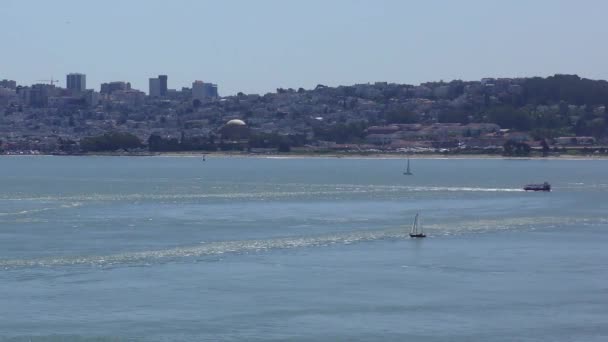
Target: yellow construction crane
{"type": "Point", "coordinates": [52, 81]}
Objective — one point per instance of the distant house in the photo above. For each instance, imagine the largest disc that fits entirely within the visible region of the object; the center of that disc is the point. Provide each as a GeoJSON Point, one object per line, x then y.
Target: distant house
{"type": "Point", "coordinates": [379, 139]}
{"type": "Point", "coordinates": [485, 142]}
{"type": "Point", "coordinates": [482, 128]}
{"type": "Point", "coordinates": [409, 127]}
{"type": "Point", "coordinates": [383, 129]}
{"type": "Point", "coordinates": [518, 136]}
{"type": "Point", "coordinates": [574, 141]}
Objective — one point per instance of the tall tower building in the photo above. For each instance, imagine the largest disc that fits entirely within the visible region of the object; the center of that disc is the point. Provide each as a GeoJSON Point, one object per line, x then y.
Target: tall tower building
{"type": "Point", "coordinates": [155, 87]}
{"type": "Point", "coordinates": [163, 85]}
{"type": "Point", "coordinates": [76, 82]}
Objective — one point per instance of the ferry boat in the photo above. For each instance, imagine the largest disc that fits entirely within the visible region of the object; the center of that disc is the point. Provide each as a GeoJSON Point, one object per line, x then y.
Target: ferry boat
{"type": "Point", "coordinates": [538, 187]}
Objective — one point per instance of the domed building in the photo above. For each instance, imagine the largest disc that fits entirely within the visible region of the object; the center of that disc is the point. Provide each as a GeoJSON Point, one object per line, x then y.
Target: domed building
{"type": "Point", "coordinates": [236, 131]}
{"type": "Point", "coordinates": [236, 122]}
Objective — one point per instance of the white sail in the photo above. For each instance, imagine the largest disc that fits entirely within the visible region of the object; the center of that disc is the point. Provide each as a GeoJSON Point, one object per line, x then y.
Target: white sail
{"type": "Point", "coordinates": [415, 225]}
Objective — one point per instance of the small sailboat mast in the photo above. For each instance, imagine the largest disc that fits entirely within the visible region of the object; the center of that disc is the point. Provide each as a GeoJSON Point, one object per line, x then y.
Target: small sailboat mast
{"type": "Point", "coordinates": [407, 170]}
{"type": "Point", "coordinates": [416, 231]}
{"type": "Point", "coordinates": [414, 225]}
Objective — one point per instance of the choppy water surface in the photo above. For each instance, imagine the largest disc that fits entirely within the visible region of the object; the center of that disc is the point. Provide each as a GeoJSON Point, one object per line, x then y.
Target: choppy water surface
{"type": "Point", "coordinates": [177, 249]}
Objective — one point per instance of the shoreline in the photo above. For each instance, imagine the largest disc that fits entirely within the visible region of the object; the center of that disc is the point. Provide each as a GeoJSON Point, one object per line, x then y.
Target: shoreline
{"type": "Point", "coordinates": [197, 154]}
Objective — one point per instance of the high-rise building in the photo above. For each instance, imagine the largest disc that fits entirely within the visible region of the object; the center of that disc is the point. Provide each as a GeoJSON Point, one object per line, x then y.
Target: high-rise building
{"type": "Point", "coordinates": [76, 82]}
{"type": "Point", "coordinates": [212, 90]}
{"type": "Point", "coordinates": [202, 90]}
{"type": "Point", "coordinates": [163, 85]}
{"type": "Point", "coordinates": [154, 87]}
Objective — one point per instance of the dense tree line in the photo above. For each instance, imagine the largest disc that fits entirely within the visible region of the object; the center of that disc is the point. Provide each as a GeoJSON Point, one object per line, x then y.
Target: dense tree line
{"type": "Point", "coordinates": [516, 149]}
{"type": "Point", "coordinates": [565, 88]}
{"type": "Point", "coordinates": [156, 143]}
{"type": "Point", "coordinates": [282, 143]}
{"type": "Point", "coordinates": [545, 107]}
{"type": "Point", "coordinates": [571, 106]}
{"type": "Point", "coordinates": [109, 142]}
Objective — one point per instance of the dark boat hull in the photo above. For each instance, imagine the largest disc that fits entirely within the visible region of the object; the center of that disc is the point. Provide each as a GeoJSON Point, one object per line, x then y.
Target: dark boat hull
{"type": "Point", "coordinates": [417, 235]}
{"type": "Point", "coordinates": [533, 188]}
{"type": "Point", "coordinates": [538, 187]}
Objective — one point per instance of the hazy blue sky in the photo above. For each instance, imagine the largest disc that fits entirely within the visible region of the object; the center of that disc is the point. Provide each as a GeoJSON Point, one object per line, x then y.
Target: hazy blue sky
{"type": "Point", "coordinates": [258, 46]}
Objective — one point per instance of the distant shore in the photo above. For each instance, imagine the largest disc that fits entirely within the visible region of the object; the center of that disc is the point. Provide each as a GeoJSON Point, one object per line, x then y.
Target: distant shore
{"type": "Point", "coordinates": [380, 156]}
{"type": "Point", "coordinates": [346, 155]}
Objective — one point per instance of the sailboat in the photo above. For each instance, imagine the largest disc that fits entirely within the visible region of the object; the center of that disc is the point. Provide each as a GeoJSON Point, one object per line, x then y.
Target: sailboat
{"type": "Point", "coordinates": [408, 172]}
{"type": "Point", "coordinates": [416, 231]}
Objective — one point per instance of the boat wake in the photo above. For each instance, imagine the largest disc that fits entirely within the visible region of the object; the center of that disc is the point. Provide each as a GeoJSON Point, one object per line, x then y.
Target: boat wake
{"type": "Point", "coordinates": [40, 210]}
{"type": "Point", "coordinates": [256, 246]}
{"type": "Point", "coordinates": [205, 249]}
{"type": "Point", "coordinates": [330, 190]}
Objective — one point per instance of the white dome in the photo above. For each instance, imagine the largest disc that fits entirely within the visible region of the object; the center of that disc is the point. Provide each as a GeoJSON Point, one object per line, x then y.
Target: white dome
{"type": "Point", "coordinates": [236, 122]}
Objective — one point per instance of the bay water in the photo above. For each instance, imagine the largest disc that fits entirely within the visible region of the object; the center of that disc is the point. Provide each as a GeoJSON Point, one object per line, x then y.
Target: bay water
{"type": "Point", "coordinates": [301, 249]}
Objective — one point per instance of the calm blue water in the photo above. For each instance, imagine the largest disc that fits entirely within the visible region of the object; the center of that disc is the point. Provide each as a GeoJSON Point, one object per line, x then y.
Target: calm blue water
{"type": "Point", "coordinates": [176, 249]}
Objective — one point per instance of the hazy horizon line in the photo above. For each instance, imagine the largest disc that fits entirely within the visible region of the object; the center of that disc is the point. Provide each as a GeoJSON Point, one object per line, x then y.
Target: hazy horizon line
{"type": "Point", "coordinates": [98, 84]}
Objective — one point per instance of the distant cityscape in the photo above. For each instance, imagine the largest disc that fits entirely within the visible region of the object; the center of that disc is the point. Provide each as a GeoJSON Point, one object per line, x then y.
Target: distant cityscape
{"type": "Point", "coordinates": [515, 116]}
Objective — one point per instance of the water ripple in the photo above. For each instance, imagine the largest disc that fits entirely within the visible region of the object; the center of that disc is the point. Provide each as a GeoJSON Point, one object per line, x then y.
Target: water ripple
{"type": "Point", "coordinates": [252, 246]}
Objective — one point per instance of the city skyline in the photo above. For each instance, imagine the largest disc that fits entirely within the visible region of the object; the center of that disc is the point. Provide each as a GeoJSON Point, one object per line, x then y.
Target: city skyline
{"type": "Point", "coordinates": [258, 47]}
